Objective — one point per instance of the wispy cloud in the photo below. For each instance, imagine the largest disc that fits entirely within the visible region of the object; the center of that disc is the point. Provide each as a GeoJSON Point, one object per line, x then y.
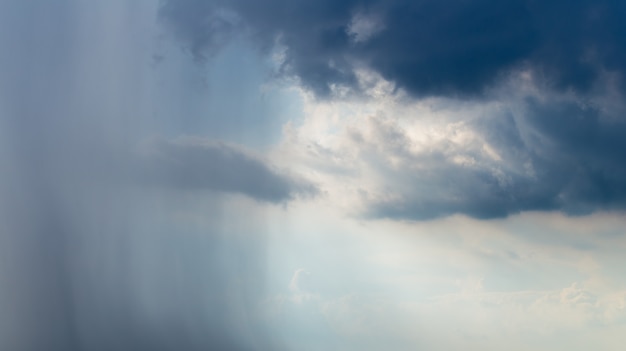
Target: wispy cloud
{"type": "Point", "coordinates": [197, 164]}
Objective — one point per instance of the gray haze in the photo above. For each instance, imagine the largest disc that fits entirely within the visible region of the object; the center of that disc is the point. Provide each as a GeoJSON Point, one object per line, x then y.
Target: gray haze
{"type": "Point", "coordinates": [91, 257]}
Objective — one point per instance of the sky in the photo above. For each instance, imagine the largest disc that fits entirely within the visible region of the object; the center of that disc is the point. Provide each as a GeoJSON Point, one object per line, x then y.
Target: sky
{"type": "Point", "coordinates": [312, 175]}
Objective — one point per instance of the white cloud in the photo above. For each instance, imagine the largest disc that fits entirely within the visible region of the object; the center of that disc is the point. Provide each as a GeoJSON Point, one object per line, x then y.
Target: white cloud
{"type": "Point", "coordinates": [364, 26]}
{"type": "Point", "coordinates": [386, 155]}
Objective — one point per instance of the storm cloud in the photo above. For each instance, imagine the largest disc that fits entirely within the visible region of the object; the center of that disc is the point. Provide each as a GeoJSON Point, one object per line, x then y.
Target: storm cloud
{"type": "Point", "coordinates": [453, 48]}
{"type": "Point", "coordinates": [196, 164]}
{"type": "Point", "coordinates": [559, 156]}
{"type": "Point", "coordinates": [558, 146]}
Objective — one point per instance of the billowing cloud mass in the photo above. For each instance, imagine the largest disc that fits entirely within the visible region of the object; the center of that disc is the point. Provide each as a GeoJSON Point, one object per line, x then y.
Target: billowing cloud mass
{"type": "Point", "coordinates": [560, 155]}
{"type": "Point", "coordinates": [426, 47]}
{"type": "Point", "coordinates": [546, 85]}
{"type": "Point", "coordinates": [525, 149]}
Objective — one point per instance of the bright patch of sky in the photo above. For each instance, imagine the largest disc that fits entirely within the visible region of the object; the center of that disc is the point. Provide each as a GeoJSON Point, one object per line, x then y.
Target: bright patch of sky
{"type": "Point", "coordinates": [337, 283]}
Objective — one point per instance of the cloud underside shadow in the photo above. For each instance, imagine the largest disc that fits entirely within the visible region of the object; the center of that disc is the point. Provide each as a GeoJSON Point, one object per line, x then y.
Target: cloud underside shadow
{"type": "Point", "coordinates": [197, 164]}
{"type": "Point", "coordinates": [556, 156]}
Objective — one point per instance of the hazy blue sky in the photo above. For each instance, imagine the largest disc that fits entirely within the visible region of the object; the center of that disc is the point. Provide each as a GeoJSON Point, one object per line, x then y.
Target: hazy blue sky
{"type": "Point", "coordinates": [312, 175]}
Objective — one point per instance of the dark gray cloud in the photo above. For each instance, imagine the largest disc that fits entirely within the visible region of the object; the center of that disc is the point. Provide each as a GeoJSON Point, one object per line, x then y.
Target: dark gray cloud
{"type": "Point", "coordinates": [196, 164]}
{"type": "Point", "coordinates": [427, 47]}
{"type": "Point", "coordinates": [562, 154]}
{"type": "Point", "coordinates": [558, 155]}
{"type": "Point", "coordinates": [584, 153]}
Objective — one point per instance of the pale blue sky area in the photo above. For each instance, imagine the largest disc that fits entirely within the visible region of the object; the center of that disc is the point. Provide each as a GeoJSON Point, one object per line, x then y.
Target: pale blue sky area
{"type": "Point", "coordinates": [231, 96]}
